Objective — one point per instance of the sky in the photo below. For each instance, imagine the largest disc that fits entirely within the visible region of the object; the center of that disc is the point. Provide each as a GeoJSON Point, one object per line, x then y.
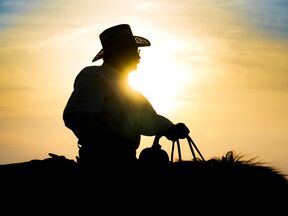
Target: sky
{"type": "Point", "coordinates": [219, 66]}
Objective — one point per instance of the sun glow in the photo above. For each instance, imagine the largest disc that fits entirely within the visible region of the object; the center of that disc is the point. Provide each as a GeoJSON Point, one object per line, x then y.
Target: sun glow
{"type": "Point", "coordinates": [160, 82]}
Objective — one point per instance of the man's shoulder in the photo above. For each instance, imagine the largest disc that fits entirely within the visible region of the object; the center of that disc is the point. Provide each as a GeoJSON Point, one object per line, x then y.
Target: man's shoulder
{"type": "Point", "coordinates": [138, 96]}
{"type": "Point", "coordinates": [91, 69]}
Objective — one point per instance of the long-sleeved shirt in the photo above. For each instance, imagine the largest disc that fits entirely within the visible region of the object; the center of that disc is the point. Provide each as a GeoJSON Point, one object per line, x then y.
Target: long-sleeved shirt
{"type": "Point", "coordinates": [118, 109]}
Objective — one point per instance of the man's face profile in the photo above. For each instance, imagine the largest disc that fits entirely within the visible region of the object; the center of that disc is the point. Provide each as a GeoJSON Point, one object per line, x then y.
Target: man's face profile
{"type": "Point", "coordinates": [130, 58]}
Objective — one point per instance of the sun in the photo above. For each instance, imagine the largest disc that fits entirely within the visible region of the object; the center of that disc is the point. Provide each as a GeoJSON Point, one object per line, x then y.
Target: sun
{"type": "Point", "coordinates": [161, 82]}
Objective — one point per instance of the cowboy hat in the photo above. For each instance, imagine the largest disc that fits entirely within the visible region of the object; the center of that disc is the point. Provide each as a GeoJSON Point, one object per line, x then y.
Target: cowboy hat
{"type": "Point", "coordinates": [119, 37]}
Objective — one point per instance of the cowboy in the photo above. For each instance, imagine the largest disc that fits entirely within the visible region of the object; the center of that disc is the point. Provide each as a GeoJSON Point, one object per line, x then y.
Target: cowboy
{"type": "Point", "coordinates": [106, 115]}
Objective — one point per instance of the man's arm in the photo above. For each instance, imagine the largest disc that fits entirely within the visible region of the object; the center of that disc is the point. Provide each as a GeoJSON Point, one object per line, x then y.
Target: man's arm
{"type": "Point", "coordinates": [154, 124]}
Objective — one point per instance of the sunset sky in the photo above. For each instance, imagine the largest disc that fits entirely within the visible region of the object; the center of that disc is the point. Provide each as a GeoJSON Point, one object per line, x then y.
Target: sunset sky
{"type": "Point", "coordinates": [219, 66]}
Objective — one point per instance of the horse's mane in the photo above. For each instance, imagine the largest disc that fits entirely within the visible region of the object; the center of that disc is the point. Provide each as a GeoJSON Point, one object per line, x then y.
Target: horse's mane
{"type": "Point", "coordinates": [233, 169]}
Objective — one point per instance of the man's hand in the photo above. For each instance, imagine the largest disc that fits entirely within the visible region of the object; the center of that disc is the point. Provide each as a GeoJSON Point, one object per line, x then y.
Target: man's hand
{"type": "Point", "coordinates": [177, 131]}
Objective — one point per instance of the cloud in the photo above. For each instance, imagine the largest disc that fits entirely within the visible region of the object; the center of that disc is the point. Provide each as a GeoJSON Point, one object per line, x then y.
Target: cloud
{"type": "Point", "coordinates": [270, 17]}
{"type": "Point", "coordinates": [11, 10]}
{"type": "Point", "coordinates": [14, 88]}
{"type": "Point", "coordinates": [17, 7]}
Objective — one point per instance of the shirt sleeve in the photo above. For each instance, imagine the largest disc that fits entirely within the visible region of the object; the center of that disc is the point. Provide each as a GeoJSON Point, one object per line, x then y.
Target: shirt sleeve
{"type": "Point", "coordinates": [150, 123]}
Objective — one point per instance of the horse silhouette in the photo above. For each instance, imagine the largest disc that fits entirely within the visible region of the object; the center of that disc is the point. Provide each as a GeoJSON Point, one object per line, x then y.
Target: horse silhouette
{"type": "Point", "coordinates": [222, 182]}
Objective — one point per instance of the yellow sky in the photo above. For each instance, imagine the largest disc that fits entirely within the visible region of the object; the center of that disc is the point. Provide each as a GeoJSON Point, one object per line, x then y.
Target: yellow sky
{"type": "Point", "coordinates": [212, 69]}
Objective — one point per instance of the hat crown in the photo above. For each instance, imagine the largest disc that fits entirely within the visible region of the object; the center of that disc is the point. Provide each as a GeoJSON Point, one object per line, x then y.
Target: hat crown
{"type": "Point", "coordinates": [123, 30]}
{"type": "Point", "coordinates": [117, 37]}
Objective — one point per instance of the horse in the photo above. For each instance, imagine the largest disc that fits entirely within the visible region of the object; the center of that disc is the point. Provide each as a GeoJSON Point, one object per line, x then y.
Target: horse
{"type": "Point", "coordinates": [218, 183]}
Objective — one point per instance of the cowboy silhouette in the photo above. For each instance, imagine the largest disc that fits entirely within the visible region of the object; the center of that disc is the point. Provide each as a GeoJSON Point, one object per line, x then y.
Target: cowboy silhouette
{"type": "Point", "coordinates": [106, 115]}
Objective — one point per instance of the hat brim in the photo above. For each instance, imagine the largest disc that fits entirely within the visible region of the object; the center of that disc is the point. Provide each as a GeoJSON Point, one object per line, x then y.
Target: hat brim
{"type": "Point", "coordinates": [140, 42]}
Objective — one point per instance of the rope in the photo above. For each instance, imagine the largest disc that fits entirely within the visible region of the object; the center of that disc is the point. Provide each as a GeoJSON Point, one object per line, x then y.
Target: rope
{"type": "Point", "coordinates": [191, 145]}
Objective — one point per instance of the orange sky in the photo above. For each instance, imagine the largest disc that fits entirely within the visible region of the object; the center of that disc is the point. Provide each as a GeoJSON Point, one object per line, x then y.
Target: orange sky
{"type": "Point", "coordinates": [218, 66]}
